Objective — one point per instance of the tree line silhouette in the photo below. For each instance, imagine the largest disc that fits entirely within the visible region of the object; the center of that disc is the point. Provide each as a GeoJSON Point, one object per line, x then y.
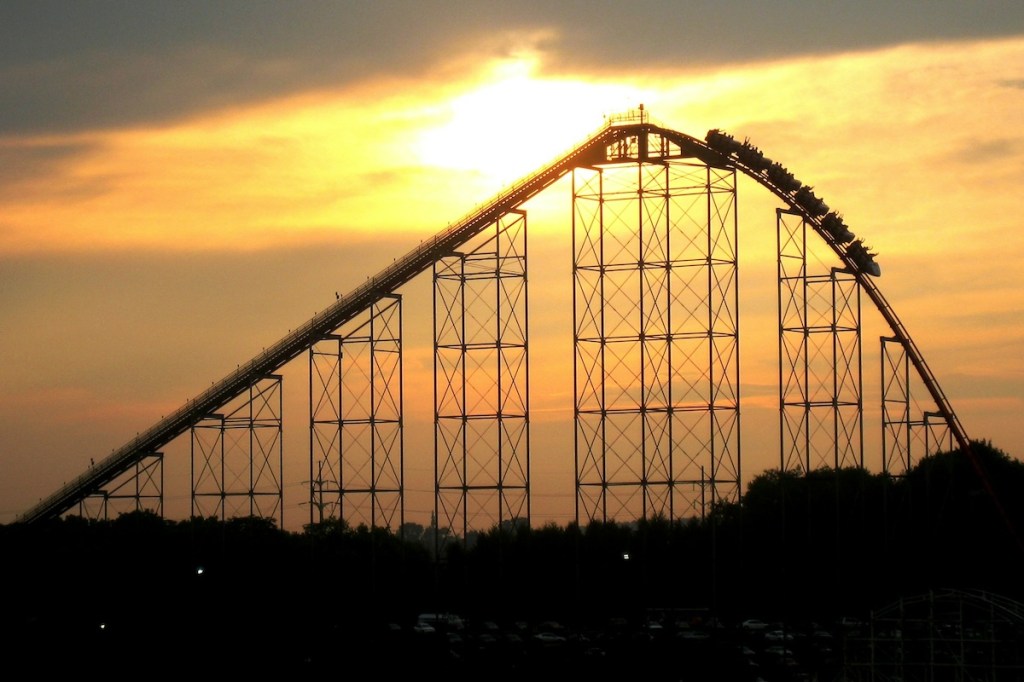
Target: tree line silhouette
{"type": "Point", "coordinates": [797, 548]}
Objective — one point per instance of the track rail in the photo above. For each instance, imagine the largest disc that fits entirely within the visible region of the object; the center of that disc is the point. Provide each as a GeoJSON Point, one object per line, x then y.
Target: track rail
{"type": "Point", "coordinates": [592, 151]}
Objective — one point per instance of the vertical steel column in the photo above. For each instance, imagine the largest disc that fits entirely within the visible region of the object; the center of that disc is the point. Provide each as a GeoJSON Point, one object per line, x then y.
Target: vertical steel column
{"type": "Point", "coordinates": [481, 385]}
{"type": "Point", "coordinates": [723, 381]}
{"type": "Point", "coordinates": [241, 458]}
{"type": "Point", "coordinates": [588, 348]}
{"type": "Point", "coordinates": [266, 451]}
{"type": "Point", "coordinates": [820, 380]}
{"type": "Point", "coordinates": [896, 423]}
{"type": "Point", "coordinates": [656, 339]}
{"type": "Point", "coordinates": [356, 443]}
{"type": "Point", "coordinates": [325, 362]}
{"type": "Point", "coordinates": [591, 346]}
{"type": "Point", "coordinates": [371, 439]}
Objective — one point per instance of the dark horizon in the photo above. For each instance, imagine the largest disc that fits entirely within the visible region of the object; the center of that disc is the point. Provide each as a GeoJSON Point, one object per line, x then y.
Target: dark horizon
{"type": "Point", "coordinates": [823, 548]}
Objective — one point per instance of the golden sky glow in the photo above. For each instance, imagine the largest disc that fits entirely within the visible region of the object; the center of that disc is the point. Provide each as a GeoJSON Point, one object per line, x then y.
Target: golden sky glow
{"type": "Point", "coordinates": [920, 147]}
{"type": "Point", "coordinates": [518, 119]}
{"type": "Point", "coordinates": [924, 118]}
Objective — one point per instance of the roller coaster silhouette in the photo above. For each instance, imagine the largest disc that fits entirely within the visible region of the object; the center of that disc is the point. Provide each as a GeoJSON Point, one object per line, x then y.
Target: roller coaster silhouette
{"type": "Point", "coordinates": [644, 436]}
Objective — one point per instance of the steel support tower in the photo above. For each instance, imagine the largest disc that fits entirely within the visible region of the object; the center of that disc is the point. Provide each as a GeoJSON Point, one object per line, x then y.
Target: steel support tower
{"type": "Point", "coordinates": [356, 444]}
{"type": "Point", "coordinates": [905, 434]}
{"type": "Point", "coordinates": [237, 457]}
{"type": "Point", "coordinates": [820, 379]}
{"type": "Point", "coordinates": [656, 340]}
{"type": "Point", "coordinates": [481, 384]}
{"type": "Point", "coordinates": [656, 353]}
{"type": "Point", "coordinates": [141, 488]}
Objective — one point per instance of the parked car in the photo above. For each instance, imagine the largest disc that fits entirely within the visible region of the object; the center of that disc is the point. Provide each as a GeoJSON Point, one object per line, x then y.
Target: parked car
{"type": "Point", "coordinates": [423, 628]}
{"type": "Point", "coordinates": [778, 636]}
{"type": "Point", "coordinates": [549, 638]}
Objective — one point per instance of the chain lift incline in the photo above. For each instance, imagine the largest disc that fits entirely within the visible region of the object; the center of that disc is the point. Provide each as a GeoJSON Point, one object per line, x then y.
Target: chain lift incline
{"type": "Point", "coordinates": [718, 150]}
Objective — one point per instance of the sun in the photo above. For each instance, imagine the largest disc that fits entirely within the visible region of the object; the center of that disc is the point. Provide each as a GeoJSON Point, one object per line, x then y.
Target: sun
{"type": "Point", "coordinates": [512, 122]}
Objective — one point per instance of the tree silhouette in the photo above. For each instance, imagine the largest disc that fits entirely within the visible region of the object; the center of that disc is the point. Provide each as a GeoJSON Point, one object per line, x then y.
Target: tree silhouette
{"type": "Point", "coordinates": [798, 547]}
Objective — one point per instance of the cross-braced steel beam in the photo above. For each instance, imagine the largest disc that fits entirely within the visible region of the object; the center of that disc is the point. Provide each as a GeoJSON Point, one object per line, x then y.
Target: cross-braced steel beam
{"type": "Point", "coordinates": [656, 335]}
{"type": "Point", "coordinates": [904, 433]}
{"type": "Point", "coordinates": [820, 382]}
{"type": "Point", "coordinates": [481, 384]}
{"type": "Point", "coordinates": [141, 488]}
{"type": "Point", "coordinates": [237, 458]}
{"type": "Point", "coordinates": [356, 445]}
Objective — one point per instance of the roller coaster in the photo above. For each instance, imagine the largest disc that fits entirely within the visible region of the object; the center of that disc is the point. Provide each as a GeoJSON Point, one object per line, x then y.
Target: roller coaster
{"type": "Point", "coordinates": [625, 140]}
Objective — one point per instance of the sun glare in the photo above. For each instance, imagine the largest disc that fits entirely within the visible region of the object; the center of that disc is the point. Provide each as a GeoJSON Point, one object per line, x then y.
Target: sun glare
{"type": "Point", "coordinates": [515, 122]}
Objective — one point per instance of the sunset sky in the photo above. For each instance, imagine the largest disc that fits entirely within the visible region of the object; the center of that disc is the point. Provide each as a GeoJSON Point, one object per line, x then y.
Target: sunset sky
{"type": "Point", "coordinates": [183, 183]}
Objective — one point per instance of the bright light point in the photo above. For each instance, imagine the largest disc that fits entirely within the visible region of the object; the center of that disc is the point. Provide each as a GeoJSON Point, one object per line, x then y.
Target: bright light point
{"type": "Point", "coordinates": [625, 556]}
{"type": "Point", "coordinates": [199, 571]}
{"type": "Point", "coordinates": [103, 626]}
{"type": "Point", "coordinates": [515, 122]}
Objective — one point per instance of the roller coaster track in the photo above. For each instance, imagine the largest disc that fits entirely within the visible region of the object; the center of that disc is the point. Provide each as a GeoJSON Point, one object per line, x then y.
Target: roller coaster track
{"type": "Point", "coordinates": [594, 150]}
{"type": "Point", "coordinates": [816, 219]}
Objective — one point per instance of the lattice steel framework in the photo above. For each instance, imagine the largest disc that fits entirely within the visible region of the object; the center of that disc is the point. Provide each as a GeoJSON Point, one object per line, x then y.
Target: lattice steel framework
{"type": "Point", "coordinates": [356, 463]}
{"type": "Point", "coordinates": [944, 634]}
{"type": "Point", "coordinates": [656, 340]}
{"type": "Point", "coordinates": [903, 435]}
{"type": "Point", "coordinates": [140, 489]}
{"type": "Point", "coordinates": [820, 380]}
{"type": "Point", "coordinates": [481, 384]}
{"type": "Point", "coordinates": [655, 351]}
{"type": "Point", "coordinates": [238, 459]}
